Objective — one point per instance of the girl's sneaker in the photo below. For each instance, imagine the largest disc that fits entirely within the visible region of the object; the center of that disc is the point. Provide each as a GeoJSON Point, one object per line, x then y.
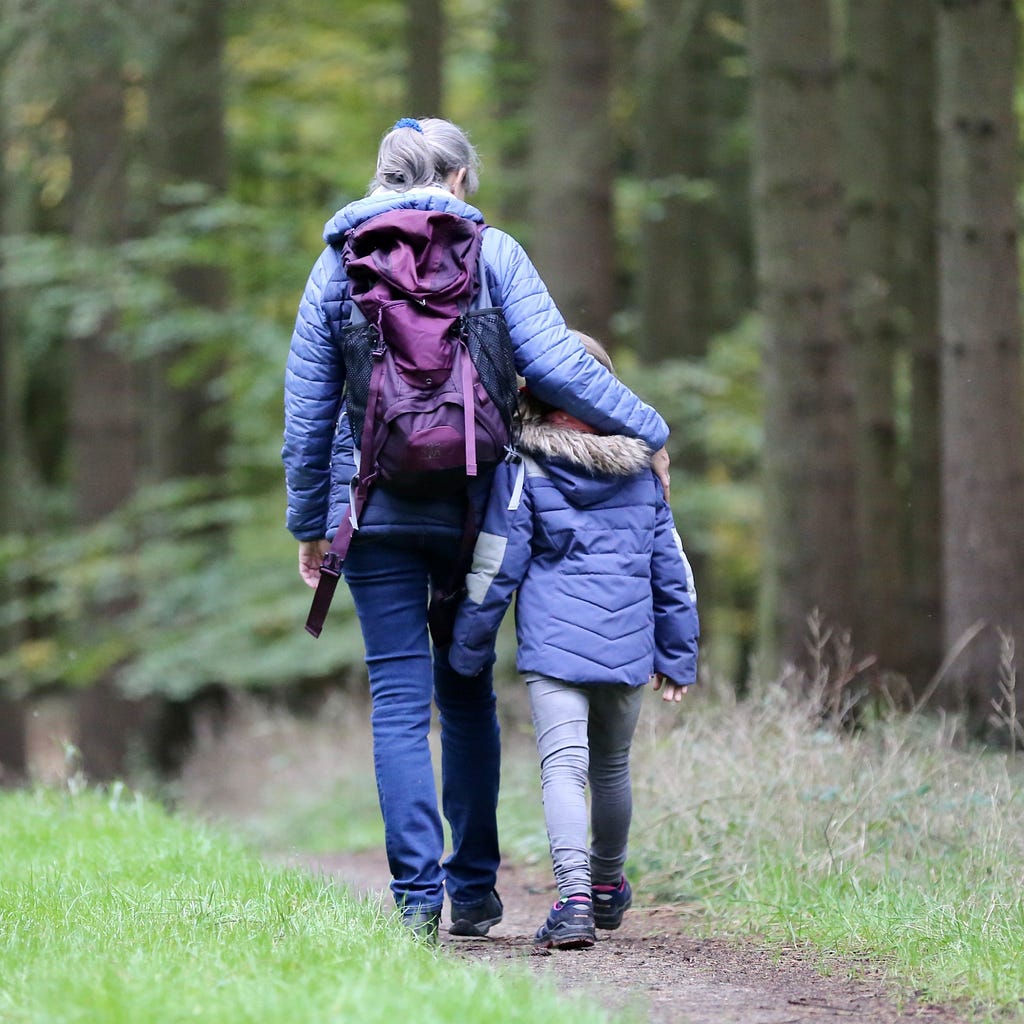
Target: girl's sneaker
{"type": "Point", "coordinates": [610, 903]}
{"type": "Point", "coordinates": [570, 925]}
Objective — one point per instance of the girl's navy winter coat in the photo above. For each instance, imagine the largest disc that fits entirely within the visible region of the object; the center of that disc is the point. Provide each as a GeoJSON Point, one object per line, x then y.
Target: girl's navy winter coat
{"type": "Point", "coordinates": [581, 529]}
{"type": "Point", "coordinates": [318, 450]}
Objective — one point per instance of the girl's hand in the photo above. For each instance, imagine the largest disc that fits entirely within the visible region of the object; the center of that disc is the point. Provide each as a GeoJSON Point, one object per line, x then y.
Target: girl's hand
{"type": "Point", "coordinates": [311, 555]}
{"type": "Point", "coordinates": [669, 691]}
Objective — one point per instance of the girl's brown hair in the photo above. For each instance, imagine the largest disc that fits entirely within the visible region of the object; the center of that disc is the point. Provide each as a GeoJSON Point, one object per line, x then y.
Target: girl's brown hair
{"type": "Point", "coordinates": [596, 349]}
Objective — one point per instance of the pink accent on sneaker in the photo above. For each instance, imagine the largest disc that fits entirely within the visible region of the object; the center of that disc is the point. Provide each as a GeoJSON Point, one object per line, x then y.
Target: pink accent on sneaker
{"type": "Point", "coordinates": [558, 904]}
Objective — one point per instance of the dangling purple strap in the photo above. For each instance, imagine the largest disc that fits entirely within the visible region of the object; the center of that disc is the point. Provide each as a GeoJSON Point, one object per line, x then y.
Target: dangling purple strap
{"type": "Point", "coordinates": [469, 398]}
{"type": "Point", "coordinates": [330, 571]}
{"type": "Point", "coordinates": [334, 559]}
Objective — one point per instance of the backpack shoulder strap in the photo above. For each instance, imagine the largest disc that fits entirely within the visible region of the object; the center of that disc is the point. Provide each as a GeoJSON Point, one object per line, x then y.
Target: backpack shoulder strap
{"type": "Point", "coordinates": [482, 299]}
{"type": "Point", "coordinates": [356, 318]}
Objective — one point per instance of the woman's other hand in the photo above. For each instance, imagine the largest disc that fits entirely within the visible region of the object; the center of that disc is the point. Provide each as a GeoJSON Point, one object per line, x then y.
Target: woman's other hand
{"type": "Point", "coordinates": [311, 555]}
{"type": "Point", "coordinates": [660, 463]}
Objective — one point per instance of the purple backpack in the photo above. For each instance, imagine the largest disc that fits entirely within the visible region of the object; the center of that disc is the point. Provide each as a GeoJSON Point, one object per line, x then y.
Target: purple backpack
{"type": "Point", "coordinates": [429, 367]}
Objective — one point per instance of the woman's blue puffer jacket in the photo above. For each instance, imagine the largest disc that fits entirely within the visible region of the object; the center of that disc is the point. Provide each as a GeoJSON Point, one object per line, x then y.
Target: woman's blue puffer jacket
{"type": "Point", "coordinates": [318, 450]}
{"type": "Point", "coordinates": [580, 531]}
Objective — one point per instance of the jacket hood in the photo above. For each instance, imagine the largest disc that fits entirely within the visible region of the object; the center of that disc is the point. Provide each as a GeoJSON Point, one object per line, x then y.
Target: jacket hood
{"type": "Point", "coordinates": [355, 213]}
{"type": "Point", "coordinates": [586, 468]}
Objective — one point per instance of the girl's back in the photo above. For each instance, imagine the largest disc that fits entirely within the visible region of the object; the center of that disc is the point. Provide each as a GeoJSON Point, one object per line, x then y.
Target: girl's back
{"type": "Point", "coordinates": [589, 543]}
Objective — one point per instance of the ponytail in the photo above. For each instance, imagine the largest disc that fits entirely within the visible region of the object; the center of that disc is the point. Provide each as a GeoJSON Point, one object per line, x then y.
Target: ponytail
{"type": "Point", "coordinates": [419, 153]}
{"type": "Point", "coordinates": [404, 159]}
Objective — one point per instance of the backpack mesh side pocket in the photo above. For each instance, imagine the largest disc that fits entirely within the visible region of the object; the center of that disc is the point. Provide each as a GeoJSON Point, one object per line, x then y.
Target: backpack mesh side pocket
{"type": "Point", "coordinates": [490, 348]}
{"type": "Point", "coordinates": [356, 352]}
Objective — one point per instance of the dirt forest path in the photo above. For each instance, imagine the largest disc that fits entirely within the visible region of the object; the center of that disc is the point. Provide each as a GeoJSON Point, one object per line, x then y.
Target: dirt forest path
{"type": "Point", "coordinates": [653, 967]}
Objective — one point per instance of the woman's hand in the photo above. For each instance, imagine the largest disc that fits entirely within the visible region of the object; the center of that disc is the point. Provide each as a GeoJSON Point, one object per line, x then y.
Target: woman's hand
{"type": "Point", "coordinates": [669, 691]}
{"type": "Point", "coordinates": [311, 555]}
{"type": "Point", "coordinates": [659, 463]}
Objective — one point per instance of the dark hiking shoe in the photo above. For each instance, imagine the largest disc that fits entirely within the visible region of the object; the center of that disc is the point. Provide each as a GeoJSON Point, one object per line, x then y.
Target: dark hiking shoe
{"type": "Point", "coordinates": [610, 903]}
{"type": "Point", "coordinates": [476, 918]}
{"type": "Point", "coordinates": [423, 922]}
{"type": "Point", "coordinates": [570, 925]}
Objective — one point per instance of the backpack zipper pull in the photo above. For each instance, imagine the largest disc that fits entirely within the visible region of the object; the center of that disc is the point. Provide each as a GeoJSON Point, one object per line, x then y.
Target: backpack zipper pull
{"type": "Point", "coordinates": [378, 347]}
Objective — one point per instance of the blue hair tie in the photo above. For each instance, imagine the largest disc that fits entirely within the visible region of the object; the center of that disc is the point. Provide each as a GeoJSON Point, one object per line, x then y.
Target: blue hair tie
{"type": "Point", "coordinates": [409, 122]}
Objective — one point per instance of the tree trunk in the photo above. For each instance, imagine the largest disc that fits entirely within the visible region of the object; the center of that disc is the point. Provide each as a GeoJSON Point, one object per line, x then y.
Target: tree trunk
{"type": "Point", "coordinates": [676, 291]}
{"type": "Point", "coordinates": [104, 433]}
{"type": "Point", "coordinates": [573, 242]}
{"type": "Point", "coordinates": [676, 66]}
{"type": "Point", "coordinates": [424, 73]}
{"type": "Point", "coordinates": [514, 73]}
{"type": "Point", "coordinates": [917, 301]}
{"type": "Point", "coordinates": [188, 146]}
{"type": "Point", "coordinates": [104, 429]}
{"type": "Point", "coordinates": [809, 554]}
{"type": "Point", "coordinates": [983, 426]}
{"type": "Point", "coordinates": [869, 125]}
{"type": "Point", "coordinates": [13, 756]}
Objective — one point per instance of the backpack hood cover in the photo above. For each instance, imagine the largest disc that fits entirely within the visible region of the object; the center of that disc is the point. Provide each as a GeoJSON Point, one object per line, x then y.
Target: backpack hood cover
{"type": "Point", "coordinates": [425, 255]}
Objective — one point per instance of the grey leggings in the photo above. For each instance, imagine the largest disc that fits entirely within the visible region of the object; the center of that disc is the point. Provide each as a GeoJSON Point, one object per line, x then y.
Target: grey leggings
{"type": "Point", "coordinates": [584, 733]}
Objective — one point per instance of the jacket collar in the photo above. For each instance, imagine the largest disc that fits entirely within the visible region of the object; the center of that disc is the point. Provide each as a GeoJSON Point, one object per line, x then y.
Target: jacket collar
{"type": "Point", "coordinates": [383, 200]}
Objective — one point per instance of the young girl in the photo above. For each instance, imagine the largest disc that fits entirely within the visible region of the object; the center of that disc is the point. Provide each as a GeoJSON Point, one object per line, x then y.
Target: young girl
{"type": "Point", "coordinates": [579, 526]}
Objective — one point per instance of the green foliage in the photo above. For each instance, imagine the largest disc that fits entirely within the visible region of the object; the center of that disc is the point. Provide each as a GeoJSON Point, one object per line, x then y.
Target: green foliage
{"type": "Point", "coordinates": [188, 585]}
{"type": "Point", "coordinates": [192, 611]}
{"type": "Point", "coordinates": [713, 407]}
{"type": "Point", "coordinates": [192, 585]}
{"type": "Point", "coordinates": [112, 910]}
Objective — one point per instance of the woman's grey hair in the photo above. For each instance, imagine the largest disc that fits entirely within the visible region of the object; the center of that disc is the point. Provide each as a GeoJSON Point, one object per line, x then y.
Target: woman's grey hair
{"type": "Point", "coordinates": [408, 158]}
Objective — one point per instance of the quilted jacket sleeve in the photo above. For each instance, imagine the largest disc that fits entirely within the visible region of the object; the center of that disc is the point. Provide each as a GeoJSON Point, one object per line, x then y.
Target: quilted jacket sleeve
{"type": "Point", "coordinates": [556, 366]}
{"type": "Point", "coordinates": [676, 625]}
{"type": "Point", "coordinates": [314, 381]}
{"type": "Point", "coordinates": [500, 561]}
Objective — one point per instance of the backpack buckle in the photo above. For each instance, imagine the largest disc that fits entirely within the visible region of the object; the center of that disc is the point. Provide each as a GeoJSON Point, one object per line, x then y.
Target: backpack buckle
{"type": "Point", "coordinates": [332, 564]}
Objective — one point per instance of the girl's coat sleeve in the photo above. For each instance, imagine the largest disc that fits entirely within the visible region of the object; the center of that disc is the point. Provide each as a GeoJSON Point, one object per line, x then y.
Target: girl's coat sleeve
{"type": "Point", "coordinates": [676, 625]}
{"type": "Point", "coordinates": [500, 561]}
{"type": "Point", "coordinates": [314, 380]}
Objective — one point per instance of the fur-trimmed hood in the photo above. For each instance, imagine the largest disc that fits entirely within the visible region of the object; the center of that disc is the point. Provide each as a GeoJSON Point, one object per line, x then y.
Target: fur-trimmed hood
{"type": "Point", "coordinates": [585, 467]}
{"type": "Point", "coordinates": [606, 455]}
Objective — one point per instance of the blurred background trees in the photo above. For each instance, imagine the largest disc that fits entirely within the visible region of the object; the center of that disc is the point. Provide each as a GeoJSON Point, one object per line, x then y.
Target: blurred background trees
{"type": "Point", "coordinates": [795, 222]}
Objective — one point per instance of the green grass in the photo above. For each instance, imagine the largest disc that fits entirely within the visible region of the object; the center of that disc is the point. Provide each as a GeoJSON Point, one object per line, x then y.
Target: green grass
{"type": "Point", "coordinates": [112, 910]}
{"type": "Point", "coordinates": [286, 783]}
{"type": "Point", "coordinates": [895, 845]}
{"type": "Point", "coordinates": [898, 848]}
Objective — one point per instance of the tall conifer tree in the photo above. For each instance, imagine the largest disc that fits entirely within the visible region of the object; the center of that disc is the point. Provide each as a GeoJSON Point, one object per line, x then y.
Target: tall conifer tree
{"type": "Point", "coordinates": [573, 158]}
{"type": "Point", "coordinates": [983, 422]}
{"type": "Point", "coordinates": [809, 552]}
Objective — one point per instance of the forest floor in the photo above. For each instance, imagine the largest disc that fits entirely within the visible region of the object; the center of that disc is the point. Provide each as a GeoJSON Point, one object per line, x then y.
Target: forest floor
{"type": "Point", "coordinates": [655, 968]}
{"type": "Point", "coordinates": [658, 968]}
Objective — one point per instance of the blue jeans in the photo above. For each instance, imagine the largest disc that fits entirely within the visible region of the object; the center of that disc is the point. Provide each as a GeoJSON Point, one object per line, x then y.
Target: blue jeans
{"type": "Point", "coordinates": [390, 580]}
